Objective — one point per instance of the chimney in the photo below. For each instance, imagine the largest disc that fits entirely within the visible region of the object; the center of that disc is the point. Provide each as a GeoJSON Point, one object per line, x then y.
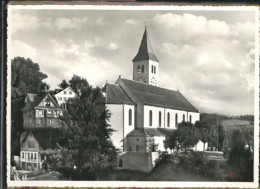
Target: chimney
{"type": "Point", "coordinates": [45, 89]}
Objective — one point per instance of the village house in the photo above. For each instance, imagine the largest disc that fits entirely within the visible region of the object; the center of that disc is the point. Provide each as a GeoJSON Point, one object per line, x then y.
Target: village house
{"type": "Point", "coordinates": [141, 109]}
{"type": "Point", "coordinates": [64, 95]}
{"type": "Point", "coordinates": [41, 122]}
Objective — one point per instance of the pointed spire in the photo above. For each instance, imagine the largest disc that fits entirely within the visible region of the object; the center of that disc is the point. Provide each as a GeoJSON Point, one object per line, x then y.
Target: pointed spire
{"type": "Point", "coordinates": [145, 51]}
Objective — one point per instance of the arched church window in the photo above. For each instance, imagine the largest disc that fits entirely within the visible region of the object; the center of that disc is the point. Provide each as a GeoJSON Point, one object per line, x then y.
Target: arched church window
{"type": "Point", "coordinates": [130, 117]}
{"type": "Point", "coordinates": [142, 68]}
{"type": "Point", "coordinates": [160, 118]}
{"type": "Point", "coordinates": [183, 117]}
{"type": "Point", "coordinates": [176, 119]}
{"type": "Point", "coordinates": [138, 69]}
{"type": "Point", "coordinates": [168, 119]}
{"type": "Point", "coordinates": [190, 118]}
{"type": "Point", "coordinates": [150, 118]}
{"type": "Point", "coordinates": [154, 69]}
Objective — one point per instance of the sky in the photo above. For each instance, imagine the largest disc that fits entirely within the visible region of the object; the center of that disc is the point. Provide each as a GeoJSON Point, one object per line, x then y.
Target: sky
{"type": "Point", "coordinates": [207, 55]}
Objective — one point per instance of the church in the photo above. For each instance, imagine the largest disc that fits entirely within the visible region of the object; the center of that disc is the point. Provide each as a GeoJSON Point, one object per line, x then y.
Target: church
{"type": "Point", "coordinates": [141, 110]}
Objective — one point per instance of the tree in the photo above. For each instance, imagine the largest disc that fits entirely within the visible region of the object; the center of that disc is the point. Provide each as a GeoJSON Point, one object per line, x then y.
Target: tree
{"type": "Point", "coordinates": [78, 84]}
{"type": "Point", "coordinates": [171, 141]}
{"type": "Point", "coordinates": [64, 84]}
{"type": "Point", "coordinates": [186, 136]}
{"type": "Point", "coordinates": [150, 144]}
{"type": "Point", "coordinates": [87, 144]}
{"type": "Point", "coordinates": [26, 78]}
{"type": "Point", "coordinates": [204, 130]}
{"type": "Point", "coordinates": [221, 136]}
{"type": "Point", "coordinates": [240, 157]}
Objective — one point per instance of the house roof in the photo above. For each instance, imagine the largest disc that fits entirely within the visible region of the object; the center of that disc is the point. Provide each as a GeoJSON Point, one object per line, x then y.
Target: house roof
{"type": "Point", "coordinates": [145, 51]}
{"type": "Point", "coordinates": [114, 95]}
{"type": "Point", "coordinates": [153, 132]}
{"type": "Point", "coordinates": [157, 96]}
{"type": "Point", "coordinates": [46, 137]}
{"type": "Point", "coordinates": [37, 98]}
{"type": "Point", "coordinates": [31, 96]}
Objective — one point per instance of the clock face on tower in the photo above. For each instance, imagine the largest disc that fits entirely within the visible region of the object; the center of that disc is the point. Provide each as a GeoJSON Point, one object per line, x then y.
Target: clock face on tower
{"type": "Point", "coordinates": [141, 79]}
{"type": "Point", "coordinates": [153, 81]}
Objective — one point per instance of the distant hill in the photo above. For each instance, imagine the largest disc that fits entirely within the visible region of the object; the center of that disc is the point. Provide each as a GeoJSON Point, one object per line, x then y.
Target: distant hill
{"type": "Point", "coordinates": [235, 122]}
{"type": "Point", "coordinates": [213, 118]}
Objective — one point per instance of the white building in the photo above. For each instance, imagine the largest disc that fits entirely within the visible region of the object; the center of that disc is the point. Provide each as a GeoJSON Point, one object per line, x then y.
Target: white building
{"type": "Point", "coordinates": [65, 95]}
{"type": "Point", "coordinates": [141, 109]}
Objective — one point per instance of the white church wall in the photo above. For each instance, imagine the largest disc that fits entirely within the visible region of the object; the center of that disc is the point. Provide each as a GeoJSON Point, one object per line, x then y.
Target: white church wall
{"type": "Point", "coordinates": [195, 116]}
{"type": "Point", "coordinates": [173, 113]}
{"type": "Point", "coordinates": [159, 140]}
{"type": "Point", "coordinates": [128, 128]}
{"type": "Point", "coordinates": [155, 117]}
{"type": "Point", "coordinates": [116, 122]}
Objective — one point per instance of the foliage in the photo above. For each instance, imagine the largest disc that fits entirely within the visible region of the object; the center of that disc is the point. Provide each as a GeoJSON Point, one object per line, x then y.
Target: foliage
{"type": "Point", "coordinates": [171, 141]}
{"type": "Point", "coordinates": [239, 156]}
{"type": "Point", "coordinates": [64, 84]}
{"type": "Point", "coordinates": [150, 144]}
{"type": "Point", "coordinates": [212, 119]}
{"type": "Point", "coordinates": [78, 84]}
{"type": "Point", "coordinates": [204, 129]}
{"type": "Point", "coordinates": [221, 136]}
{"type": "Point", "coordinates": [26, 78]}
{"type": "Point", "coordinates": [247, 117]}
{"type": "Point", "coordinates": [86, 144]}
{"type": "Point", "coordinates": [186, 136]}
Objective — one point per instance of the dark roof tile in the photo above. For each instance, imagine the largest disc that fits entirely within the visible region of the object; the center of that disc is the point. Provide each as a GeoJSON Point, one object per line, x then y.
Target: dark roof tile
{"type": "Point", "coordinates": [157, 96]}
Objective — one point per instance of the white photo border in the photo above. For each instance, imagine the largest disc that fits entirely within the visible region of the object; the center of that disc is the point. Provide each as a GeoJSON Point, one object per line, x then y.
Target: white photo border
{"type": "Point", "coordinates": [254, 184]}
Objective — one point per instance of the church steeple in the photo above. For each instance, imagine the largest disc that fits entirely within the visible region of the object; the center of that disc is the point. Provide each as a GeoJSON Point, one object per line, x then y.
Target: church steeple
{"type": "Point", "coordinates": [145, 63]}
{"type": "Point", "coordinates": [145, 51]}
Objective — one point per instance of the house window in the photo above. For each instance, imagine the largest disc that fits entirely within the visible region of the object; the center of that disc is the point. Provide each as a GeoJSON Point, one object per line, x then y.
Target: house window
{"type": "Point", "coordinates": [35, 155]}
{"type": "Point", "coordinates": [28, 155]}
{"type": "Point", "coordinates": [138, 69]}
{"type": "Point", "coordinates": [47, 102]}
{"type": "Point", "coordinates": [137, 139]}
{"type": "Point", "coordinates": [130, 117]}
{"type": "Point", "coordinates": [168, 119]}
{"type": "Point", "coordinates": [160, 118]}
{"type": "Point", "coordinates": [176, 119]}
{"type": "Point", "coordinates": [64, 92]}
{"type": "Point", "coordinates": [49, 120]}
{"type": "Point", "coordinates": [190, 118]}
{"type": "Point", "coordinates": [49, 112]}
{"type": "Point", "coordinates": [70, 93]}
{"type": "Point", "coordinates": [137, 148]}
{"type": "Point", "coordinates": [54, 113]}
{"type": "Point", "coordinates": [40, 112]}
{"type": "Point", "coordinates": [150, 118]}
{"type": "Point", "coordinates": [40, 121]}
{"type": "Point", "coordinates": [120, 163]}
{"type": "Point", "coordinates": [142, 68]}
{"type": "Point", "coordinates": [154, 69]}
{"type": "Point", "coordinates": [183, 117]}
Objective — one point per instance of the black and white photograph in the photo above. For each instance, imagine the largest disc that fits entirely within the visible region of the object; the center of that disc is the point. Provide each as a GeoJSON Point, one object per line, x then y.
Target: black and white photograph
{"type": "Point", "coordinates": [108, 95]}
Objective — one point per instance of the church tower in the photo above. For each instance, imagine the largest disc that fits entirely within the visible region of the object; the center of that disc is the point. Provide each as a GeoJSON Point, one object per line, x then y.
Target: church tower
{"type": "Point", "coordinates": [145, 63]}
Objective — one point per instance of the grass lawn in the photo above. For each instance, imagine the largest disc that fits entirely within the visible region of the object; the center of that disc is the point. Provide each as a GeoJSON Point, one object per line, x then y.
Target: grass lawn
{"type": "Point", "coordinates": [163, 172]}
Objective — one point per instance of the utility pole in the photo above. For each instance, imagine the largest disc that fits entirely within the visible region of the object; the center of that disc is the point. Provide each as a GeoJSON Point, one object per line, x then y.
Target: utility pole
{"type": "Point", "coordinates": [217, 134]}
